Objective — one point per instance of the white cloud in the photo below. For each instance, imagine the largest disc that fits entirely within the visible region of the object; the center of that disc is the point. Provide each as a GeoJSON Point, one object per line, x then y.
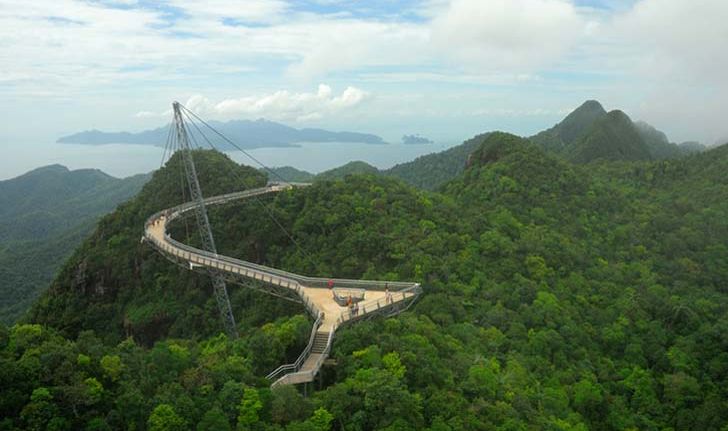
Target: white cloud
{"type": "Point", "coordinates": [92, 45]}
{"type": "Point", "coordinates": [677, 51]}
{"type": "Point", "coordinates": [680, 39]}
{"type": "Point", "coordinates": [280, 105]}
{"type": "Point", "coordinates": [244, 10]}
{"type": "Point", "coordinates": [662, 60]}
{"type": "Point", "coordinates": [498, 35]}
{"type": "Point", "coordinates": [330, 45]}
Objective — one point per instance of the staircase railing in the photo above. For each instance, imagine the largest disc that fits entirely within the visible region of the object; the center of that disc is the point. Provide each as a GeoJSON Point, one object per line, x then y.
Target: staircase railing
{"type": "Point", "coordinates": [345, 317]}
{"type": "Point", "coordinates": [296, 365]}
{"type": "Point", "coordinates": [308, 375]}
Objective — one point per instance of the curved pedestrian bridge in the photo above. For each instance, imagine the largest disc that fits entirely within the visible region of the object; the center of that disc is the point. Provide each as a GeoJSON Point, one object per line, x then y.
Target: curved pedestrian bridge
{"type": "Point", "coordinates": [331, 302]}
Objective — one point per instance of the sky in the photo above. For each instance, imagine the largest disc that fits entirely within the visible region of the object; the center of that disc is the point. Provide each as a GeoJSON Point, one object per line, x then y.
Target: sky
{"type": "Point", "coordinates": [444, 69]}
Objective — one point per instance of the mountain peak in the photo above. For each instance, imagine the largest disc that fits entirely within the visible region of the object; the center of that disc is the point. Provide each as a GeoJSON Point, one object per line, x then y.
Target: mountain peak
{"type": "Point", "coordinates": [613, 137]}
{"type": "Point", "coordinates": [494, 147]}
{"type": "Point", "coordinates": [580, 120]}
{"type": "Point", "coordinates": [572, 128]}
{"type": "Point", "coordinates": [619, 115]}
{"type": "Point", "coordinates": [591, 105]}
{"type": "Point", "coordinates": [54, 168]}
{"type": "Point", "coordinates": [356, 167]}
{"type": "Point", "coordinates": [589, 133]}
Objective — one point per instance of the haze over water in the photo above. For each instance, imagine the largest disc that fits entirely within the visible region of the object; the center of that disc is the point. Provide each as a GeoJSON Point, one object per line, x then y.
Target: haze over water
{"type": "Point", "coordinates": [122, 160]}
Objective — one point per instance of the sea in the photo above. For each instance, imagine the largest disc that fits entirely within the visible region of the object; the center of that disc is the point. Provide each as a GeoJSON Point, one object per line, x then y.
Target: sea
{"type": "Point", "coordinates": [123, 160]}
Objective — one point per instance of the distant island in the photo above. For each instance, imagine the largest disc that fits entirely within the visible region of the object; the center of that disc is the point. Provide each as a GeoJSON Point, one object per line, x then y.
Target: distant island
{"type": "Point", "coordinates": [245, 133]}
{"type": "Point", "coordinates": [416, 140]}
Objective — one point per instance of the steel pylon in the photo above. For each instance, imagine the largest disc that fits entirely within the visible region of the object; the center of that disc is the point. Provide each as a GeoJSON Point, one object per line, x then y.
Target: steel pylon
{"type": "Point", "coordinates": [203, 222]}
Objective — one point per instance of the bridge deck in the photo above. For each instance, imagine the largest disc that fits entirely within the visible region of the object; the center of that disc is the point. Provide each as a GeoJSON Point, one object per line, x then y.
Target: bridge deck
{"type": "Point", "coordinates": [318, 299]}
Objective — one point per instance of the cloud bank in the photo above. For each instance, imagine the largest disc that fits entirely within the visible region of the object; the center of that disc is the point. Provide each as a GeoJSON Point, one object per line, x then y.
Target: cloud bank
{"type": "Point", "coordinates": [497, 35]}
{"type": "Point", "coordinates": [660, 60]}
{"type": "Point", "coordinates": [281, 105]}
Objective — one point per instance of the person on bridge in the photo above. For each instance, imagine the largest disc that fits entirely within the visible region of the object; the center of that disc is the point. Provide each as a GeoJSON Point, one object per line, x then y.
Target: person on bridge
{"type": "Point", "coordinates": [330, 283]}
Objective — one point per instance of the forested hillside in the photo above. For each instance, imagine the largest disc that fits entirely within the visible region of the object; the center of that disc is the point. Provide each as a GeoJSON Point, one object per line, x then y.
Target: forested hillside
{"type": "Point", "coordinates": [432, 170]}
{"type": "Point", "coordinates": [356, 167]}
{"type": "Point", "coordinates": [44, 216]}
{"type": "Point", "coordinates": [288, 173]}
{"type": "Point", "coordinates": [557, 296]}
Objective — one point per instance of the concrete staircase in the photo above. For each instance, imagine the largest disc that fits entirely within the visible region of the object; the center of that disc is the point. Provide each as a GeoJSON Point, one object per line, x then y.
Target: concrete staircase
{"type": "Point", "coordinates": [319, 342]}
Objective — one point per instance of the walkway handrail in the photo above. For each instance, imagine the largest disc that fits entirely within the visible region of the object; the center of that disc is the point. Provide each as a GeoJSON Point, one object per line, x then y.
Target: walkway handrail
{"type": "Point", "coordinates": [292, 278]}
{"type": "Point", "coordinates": [376, 304]}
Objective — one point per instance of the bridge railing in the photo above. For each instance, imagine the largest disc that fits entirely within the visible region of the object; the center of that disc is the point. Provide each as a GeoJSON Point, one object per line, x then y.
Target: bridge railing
{"type": "Point", "coordinates": [222, 263]}
{"type": "Point", "coordinates": [283, 278]}
{"type": "Point", "coordinates": [378, 304]}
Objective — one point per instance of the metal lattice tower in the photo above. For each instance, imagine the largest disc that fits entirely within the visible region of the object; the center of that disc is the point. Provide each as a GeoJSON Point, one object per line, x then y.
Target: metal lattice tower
{"type": "Point", "coordinates": [203, 222]}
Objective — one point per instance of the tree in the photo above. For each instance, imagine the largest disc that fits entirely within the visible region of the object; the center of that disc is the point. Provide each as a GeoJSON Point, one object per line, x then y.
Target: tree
{"type": "Point", "coordinates": [587, 394]}
{"type": "Point", "coordinates": [94, 390]}
{"type": "Point", "coordinates": [483, 378]}
{"type": "Point", "coordinates": [112, 366]}
{"type": "Point", "coordinates": [40, 410]}
{"type": "Point", "coordinates": [288, 405]}
{"type": "Point", "coordinates": [164, 418]}
{"type": "Point", "coordinates": [213, 420]}
{"type": "Point", "coordinates": [229, 398]}
{"type": "Point", "coordinates": [321, 419]}
{"type": "Point", "coordinates": [249, 408]}
{"type": "Point", "coordinates": [97, 424]}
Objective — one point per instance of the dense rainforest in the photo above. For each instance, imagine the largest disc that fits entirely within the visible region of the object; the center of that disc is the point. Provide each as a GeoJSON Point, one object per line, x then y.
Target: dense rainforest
{"type": "Point", "coordinates": [558, 296]}
{"type": "Point", "coordinates": [44, 215]}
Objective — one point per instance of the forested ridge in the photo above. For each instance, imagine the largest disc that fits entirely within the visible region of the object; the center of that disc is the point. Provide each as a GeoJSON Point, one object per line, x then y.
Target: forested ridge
{"type": "Point", "coordinates": [44, 215]}
{"type": "Point", "coordinates": [557, 296]}
{"type": "Point", "coordinates": [588, 134]}
{"type": "Point", "coordinates": [426, 172]}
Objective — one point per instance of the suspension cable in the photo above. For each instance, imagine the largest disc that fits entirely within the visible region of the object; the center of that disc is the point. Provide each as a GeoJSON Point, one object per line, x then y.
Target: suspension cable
{"type": "Point", "coordinates": [167, 146]}
{"type": "Point", "coordinates": [268, 211]}
{"type": "Point", "coordinates": [183, 187]}
{"type": "Point", "coordinates": [225, 138]}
